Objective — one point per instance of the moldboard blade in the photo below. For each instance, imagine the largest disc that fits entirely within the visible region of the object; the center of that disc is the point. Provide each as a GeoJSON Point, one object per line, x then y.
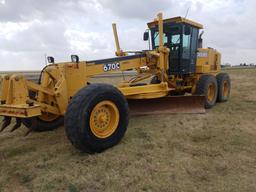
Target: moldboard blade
{"type": "Point", "coordinates": [167, 105]}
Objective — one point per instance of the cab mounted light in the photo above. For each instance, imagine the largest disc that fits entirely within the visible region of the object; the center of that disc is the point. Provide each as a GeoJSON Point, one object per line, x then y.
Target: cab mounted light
{"type": "Point", "coordinates": [74, 58]}
{"type": "Point", "coordinates": [50, 59]}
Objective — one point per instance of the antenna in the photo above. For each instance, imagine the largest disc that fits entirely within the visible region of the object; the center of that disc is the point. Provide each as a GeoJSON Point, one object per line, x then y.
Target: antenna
{"type": "Point", "coordinates": [187, 12]}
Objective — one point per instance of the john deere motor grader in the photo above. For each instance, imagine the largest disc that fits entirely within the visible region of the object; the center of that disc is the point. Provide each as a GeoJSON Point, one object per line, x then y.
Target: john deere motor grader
{"type": "Point", "coordinates": [182, 76]}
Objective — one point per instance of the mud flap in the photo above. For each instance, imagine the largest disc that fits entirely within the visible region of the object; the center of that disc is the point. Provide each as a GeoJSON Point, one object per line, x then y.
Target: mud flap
{"type": "Point", "coordinates": [168, 105]}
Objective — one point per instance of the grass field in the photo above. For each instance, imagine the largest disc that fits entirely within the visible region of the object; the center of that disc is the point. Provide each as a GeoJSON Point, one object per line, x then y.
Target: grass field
{"type": "Point", "coordinates": [194, 153]}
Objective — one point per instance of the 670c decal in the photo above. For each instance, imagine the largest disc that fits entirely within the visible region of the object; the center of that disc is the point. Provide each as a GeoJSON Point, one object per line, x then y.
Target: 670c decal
{"type": "Point", "coordinates": [111, 67]}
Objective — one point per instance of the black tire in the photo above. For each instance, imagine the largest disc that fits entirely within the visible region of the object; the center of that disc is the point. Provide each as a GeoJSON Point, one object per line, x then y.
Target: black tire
{"type": "Point", "coordinates": [77, 118]}
{"type": "Point", "coordinates": [224, 86]}
{"type": "Point", "coordinates": [155, 80]}
{"type": "Point", "coordinates": [203, 85]}
{"type": "Point", "coordinates": [44, 125]}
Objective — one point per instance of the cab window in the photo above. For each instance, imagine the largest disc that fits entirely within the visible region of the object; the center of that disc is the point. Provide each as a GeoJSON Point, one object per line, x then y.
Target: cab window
{"type": "Point", "coordinates": [156, 39]}
{"type": "Point", "coordinates": [175, 39]}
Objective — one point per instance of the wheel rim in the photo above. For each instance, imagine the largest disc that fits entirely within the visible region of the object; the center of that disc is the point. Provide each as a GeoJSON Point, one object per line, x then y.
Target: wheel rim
{"type": "Point", "coordinates": [225, 88]}
{"type": "Point", "coordinates": [48, 117]}
{"type": "Point", "coordinates": [104, 119]}
{"type": "Point", "coordinates": [211, 92]}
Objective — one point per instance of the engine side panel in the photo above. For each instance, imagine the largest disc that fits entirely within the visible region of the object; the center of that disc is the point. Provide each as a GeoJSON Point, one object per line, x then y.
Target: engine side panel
{"type": "Point", "coordinates": [208, 61]}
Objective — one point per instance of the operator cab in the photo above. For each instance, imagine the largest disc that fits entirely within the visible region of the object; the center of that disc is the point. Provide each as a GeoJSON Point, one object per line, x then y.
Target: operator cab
{"type": "Point", "coordinates": [180, 35]}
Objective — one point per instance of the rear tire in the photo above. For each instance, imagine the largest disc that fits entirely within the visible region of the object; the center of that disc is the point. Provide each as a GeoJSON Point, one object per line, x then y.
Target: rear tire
{"type": "Point", "coordinates": [224, 86]}
{"type": "Point", "coordinates": [85, 128]}
{"type": "Point", "coordinates": [207, 86]}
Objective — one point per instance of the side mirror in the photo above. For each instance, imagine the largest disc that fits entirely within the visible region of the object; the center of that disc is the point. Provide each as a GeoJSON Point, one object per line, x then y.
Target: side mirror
{"type": "Point", "coordinates": [74, 59]}
{"type": "Point", "coordinates": [50, 59]}
{"type": "Point", "coordinates": [200, 40]}
{"type": "Point", "coordinates": [187, 30]}
{"type": "Point", "coordinates": [146, 36]}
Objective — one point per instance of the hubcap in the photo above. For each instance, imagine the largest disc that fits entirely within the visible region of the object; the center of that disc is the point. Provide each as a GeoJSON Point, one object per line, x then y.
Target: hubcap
{"type": "Point", "coordinates": [211, 92]}
{"type": "Point", "coordinates": [225, 89]}
{"type": "Point", "coordinates": [104, 119]}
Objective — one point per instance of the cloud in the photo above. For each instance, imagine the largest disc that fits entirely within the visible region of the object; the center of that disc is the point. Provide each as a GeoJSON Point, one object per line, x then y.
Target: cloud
{"type": "Point", "coordinates": [35, 37]}
{"type": "Point", "coordinates": [229, 26]}
{"type": "Point", "coordinates": [141, 9]}
{"type": "Point", "coordinates": [27, 10]}
{"type": "Point", "coordinates": [30, 29]}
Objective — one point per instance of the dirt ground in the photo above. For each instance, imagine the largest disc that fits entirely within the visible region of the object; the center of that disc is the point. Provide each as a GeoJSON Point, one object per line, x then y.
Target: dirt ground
{"type": "Point", "coordinates": [191, 153]}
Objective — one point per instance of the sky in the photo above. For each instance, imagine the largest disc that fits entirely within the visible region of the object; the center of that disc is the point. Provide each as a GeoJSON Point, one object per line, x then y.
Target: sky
{"type": "Point", "coordinates": [31, 29]}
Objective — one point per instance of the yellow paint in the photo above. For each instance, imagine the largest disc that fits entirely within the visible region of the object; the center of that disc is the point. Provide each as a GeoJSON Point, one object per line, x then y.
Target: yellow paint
{"type": "Point", "coordinates": [60, 82]}
{"type": "Point", "coordinates": [208, 61]}
{"type": "Point", "coordinates": [119, 52]}
{"type": "Point", "coordinates": [21, 111]}
{"type": "Point", "coordinates": [211, 91]}
{"type": "Point", "coordinates": [225, 89]}
{"type": "Point", "coordinates": [177, 20]}
{"type": "Point", "coordinates": [104, 119]}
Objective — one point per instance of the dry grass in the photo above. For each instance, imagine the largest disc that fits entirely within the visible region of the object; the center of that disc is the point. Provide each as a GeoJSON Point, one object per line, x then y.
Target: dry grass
{"type": "Point", "coordinates": [211, 152]}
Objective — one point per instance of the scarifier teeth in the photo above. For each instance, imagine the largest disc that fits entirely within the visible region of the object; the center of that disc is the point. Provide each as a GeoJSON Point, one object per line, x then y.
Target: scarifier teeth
{"type": "Point", "coordinates": [28, 132]}
{"type": "Point", "coordinates": [6, 122]}
{"type": "Point", "coordinates": [17, 125]}
{"type": "Point", "coordinates": [32, 127]}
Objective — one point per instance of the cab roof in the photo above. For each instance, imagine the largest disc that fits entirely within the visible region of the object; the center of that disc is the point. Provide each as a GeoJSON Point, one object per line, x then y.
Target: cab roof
{"type": "Point", "coordinates": [177, 20]}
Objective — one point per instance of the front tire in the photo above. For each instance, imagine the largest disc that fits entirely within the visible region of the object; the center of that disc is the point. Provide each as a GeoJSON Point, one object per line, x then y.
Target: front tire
{"type": "Point", "coordinates": [97, 118]}
{"type": "Point", "coordinates": [207, 86]}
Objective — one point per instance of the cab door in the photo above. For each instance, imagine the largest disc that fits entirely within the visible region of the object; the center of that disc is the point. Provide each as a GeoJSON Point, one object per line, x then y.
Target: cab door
{"type": "Point", "coordinates": [189, 49]}
{"type": "Point", "coordinates": [175, 46]}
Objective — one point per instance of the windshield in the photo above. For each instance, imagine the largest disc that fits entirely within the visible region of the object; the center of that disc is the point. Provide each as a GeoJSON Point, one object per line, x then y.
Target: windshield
{"type": "Point", "coordinates": [171, 36]}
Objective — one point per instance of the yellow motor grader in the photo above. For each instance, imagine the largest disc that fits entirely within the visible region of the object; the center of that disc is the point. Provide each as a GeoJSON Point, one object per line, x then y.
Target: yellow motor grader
{"type": "Point", "coordinates": [175, 75]}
